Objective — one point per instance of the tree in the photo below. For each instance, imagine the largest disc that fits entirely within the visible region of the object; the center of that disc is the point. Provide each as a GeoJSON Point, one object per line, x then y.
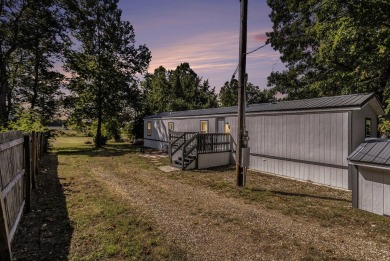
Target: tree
{"type": "Point", "coordinates": [103, 69]}
{"type": "Point", "coordinates": [177, 90]}
{"type": "Point", "coordinates": [12, 20]}
{"type": "Point", "coordinates": [43, 43]}
{"type": "Point", "coordinates": [33, 37]}
{"type": "Point", "coordinates": [228, 95]}
{"type": "Point", "coordinates": [331, 47]}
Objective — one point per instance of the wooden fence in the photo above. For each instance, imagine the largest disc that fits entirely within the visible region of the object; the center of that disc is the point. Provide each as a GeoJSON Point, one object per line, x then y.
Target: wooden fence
{"type": "Point", "coordinates": [19, 161]}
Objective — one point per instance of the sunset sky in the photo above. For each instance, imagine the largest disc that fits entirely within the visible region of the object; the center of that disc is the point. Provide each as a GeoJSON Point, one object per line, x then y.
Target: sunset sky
{"type": "Point", "coordinates": [205, 34]}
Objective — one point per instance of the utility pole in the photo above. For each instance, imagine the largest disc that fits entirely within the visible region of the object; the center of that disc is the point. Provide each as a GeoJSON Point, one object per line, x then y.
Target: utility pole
{"type": "Point", "coordinates": [240, 179]}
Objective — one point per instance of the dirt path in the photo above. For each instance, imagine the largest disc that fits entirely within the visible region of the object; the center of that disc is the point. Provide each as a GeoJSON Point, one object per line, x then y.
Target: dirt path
{"type": "Point", "coordinates": [209, 226]}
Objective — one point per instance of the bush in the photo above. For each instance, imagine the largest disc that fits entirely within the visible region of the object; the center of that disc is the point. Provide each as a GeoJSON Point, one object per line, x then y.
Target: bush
{"type": "Point", "coordinates": [27, 120]}
{"type": "Point", "coordinates": [384, 127]}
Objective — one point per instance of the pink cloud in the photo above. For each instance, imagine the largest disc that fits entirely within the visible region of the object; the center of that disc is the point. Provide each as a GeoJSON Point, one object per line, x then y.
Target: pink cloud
{"type": "Point", "coordinates": [261, 37]}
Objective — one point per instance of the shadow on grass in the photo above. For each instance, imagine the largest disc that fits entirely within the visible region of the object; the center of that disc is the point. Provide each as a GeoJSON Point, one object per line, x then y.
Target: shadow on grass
{"type": "Point", "coordinates": [292, 194]}
{"type": "Point", "coordinates": [109, 150]}
{"type": "Point", "coordinates": [45, 233]}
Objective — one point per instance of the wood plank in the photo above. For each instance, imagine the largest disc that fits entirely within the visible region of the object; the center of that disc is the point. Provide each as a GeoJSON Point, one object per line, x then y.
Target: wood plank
{"type": "Point", "coordinates": [323, 122]}
{"type": "Point", "coordinates": [377, 191]}
{"type": "Point", "coordinates": [339, 180]}
{"type": "Point", "coordinates": [12, 183]}
{"type": "Point", "coordinates": [386, 193]}
{"type": "Point", "coordinates": [17, 221]}
{"type": "Point", "coordinates": [365, 195]}
{"type": "Point", "coordinates": [347, 179]}
{"type": "Point", "coordinates": [5, 246]}
{"type": "Point", "coordinates": [327, 174]}
{"type": "Point", "coordinates": [11, 135]}
{"type": "Point", "coordinates": [9, 144]}
{"type": "Point", "coordinates": [345, 152]}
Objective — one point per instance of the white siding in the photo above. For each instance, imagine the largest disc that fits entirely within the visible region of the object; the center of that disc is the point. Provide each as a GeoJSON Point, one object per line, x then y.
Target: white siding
{"type": "Point", "coordinates": [358, 120]}
{"type": "Point", "coordinates": [159, 136]}
{"type": "Point", "coordinates": [374, 190]}
{"type": "Point", "coordinates": [312, 146]}
{"type": "Point", "coordinates": [213, 160]}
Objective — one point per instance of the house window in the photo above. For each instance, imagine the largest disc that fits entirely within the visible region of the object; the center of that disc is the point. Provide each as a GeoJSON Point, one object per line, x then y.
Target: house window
{"type": "Point", "coordinates": [171, 126]}
{"type": "Point", "coordinates": [368, 127]}
{"type": "Point", "coordinates": [149, 128]}
{"type": "Point", "coordinates": [204, 126]}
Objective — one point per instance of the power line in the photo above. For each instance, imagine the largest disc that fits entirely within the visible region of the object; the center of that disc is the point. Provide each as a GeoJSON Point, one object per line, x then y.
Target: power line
{"type": "Point", "coordinates": [255, 50]}
{"type": "Point", "coordinates": [313, 9]}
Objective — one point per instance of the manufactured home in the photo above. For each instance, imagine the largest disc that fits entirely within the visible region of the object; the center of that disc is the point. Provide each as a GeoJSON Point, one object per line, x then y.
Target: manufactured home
{"type": "Point", "coordinates": [303, 139]}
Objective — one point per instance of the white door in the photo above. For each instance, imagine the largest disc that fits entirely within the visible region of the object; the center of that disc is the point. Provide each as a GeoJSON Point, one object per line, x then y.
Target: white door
{"type": "Point", "coordinates": [221, 125]}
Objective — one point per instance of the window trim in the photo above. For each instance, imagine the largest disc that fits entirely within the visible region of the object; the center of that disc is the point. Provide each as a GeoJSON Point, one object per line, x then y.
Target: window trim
{"type": "Point", "coordinates": [207, 126]}
{"type": "Point", "coordinates": [149, 128]}
{"type": "Point", "coordinates": [173, 126]}
{"type": "Point", "coordinates": [365, 128]}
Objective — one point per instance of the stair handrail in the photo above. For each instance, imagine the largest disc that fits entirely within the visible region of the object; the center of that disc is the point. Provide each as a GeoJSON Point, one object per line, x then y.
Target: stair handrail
{"type": "Point", "coordinates": [234, 148]}
{"type": "Point", "coordinates": [186, 153]}
{"type": "Point", "coordinates": [171, 143]}
{"type": "Point", "coordinates": [188, 143]}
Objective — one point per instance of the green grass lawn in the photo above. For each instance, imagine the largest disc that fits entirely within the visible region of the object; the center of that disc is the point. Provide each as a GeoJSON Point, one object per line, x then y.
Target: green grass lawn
{"type": "Point", "coordinates": [106, 226]}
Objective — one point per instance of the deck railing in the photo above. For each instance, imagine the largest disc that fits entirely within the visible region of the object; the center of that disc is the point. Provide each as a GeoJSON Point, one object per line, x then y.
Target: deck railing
{"type": "Point", "coordinates": [185, 144]}
{"type": "Point", "coordinates": [214, 142]}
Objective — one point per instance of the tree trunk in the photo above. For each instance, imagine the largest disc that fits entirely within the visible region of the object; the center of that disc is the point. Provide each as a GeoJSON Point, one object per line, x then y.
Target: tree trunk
{"type": "Point", "coordinates": [3, 93]}
{"type": "Point", "coordinates": [99, 142]}
{"type": "Point", "coordinates": [36, 79]}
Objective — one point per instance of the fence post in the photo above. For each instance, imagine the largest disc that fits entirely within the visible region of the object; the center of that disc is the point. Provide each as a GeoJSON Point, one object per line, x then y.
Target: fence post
{"type": "Point", "coordinates": [5, 246]}
{"type": "Point", "coordinates": [45, 141]}
{"type": "Point", "coordinates": [27, 168]}
{"type": "Point", "coordinates": [33, 159]}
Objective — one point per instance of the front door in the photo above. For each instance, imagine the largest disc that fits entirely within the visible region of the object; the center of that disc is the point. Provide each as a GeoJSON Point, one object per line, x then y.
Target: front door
{"type": "Point", "coordinates": [221, 125]}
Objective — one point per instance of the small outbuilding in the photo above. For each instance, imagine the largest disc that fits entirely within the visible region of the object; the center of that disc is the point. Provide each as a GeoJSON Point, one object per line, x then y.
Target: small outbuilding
{"type": "Point", "coordinates": [371, 191]}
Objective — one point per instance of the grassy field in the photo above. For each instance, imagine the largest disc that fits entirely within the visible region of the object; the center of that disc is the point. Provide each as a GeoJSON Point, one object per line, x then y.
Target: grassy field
{"type": "Point", "coordinates": [104, 226]}
{"type": "Point", "coordinates": [103, 222]}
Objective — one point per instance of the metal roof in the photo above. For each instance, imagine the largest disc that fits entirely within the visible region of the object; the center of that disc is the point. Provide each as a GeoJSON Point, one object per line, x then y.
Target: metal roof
{"type": "Point", "coordinates": [330, 103]}
{"type": "Point", "coordinates": [373, 152]}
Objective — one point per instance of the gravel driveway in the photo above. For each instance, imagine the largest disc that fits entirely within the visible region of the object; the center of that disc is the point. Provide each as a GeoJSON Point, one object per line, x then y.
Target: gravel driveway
{"type": "Point", "coordinates": [210, 226]}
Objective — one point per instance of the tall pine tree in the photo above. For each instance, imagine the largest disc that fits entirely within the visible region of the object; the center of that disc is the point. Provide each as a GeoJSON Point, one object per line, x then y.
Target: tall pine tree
{"type": "Point", "coordinates": [177, 90]}
{"type": "Point", "coordinates": [104, 66]}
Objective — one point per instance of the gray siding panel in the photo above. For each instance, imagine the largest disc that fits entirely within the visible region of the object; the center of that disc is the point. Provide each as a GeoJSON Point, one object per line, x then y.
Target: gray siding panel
{"type": "Point", "coordinates": [374, 190]}
{"type": "Point", "coordinates": [296, 140]}
{"type": "Point", "coordinates": [212, 160]}
{"type": "Point", "coordinates": [377, 192]}
{"type": "Point", "coordinates": [386, 194]}
{"type": "Point", "coordinates": [365, 195]}
{"type": "Point", "coordinates": [358, 129]}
